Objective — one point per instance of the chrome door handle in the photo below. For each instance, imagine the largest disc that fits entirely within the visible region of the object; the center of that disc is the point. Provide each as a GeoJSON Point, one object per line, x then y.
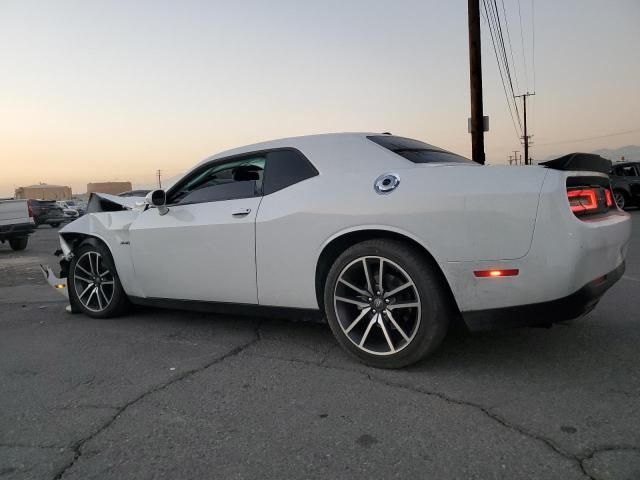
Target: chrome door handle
{"type": "Point", "coordinates": [241, 212]}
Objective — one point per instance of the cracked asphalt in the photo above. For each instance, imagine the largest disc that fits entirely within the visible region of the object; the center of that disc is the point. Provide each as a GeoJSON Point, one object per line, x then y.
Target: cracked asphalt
{"type": "Point", "coordinates": [169, 394]}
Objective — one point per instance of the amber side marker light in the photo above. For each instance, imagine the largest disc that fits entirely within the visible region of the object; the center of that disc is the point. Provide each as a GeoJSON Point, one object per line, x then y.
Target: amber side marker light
{"type": "Point", "coordinates": [59, 285]}
{"type": "Point", "coordinates": [496, 273]}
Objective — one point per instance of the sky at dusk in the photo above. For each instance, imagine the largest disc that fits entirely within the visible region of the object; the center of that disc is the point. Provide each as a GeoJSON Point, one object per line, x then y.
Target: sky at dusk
{"type": "Point", "coordinates": [113, 90]}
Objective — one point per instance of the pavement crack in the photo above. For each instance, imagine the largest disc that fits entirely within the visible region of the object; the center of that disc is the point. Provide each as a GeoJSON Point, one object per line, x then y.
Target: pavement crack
{"type": "Point", "coordinates": [326, 355]}
{"type": "Point", "coordinates": [602, 449]}
{"type": "Point", "coordinates": [577, 460]}
{"type": "Point", "coordinates": [77, 447]}
{"type": "Point", "coordinates": [28, 445]}
{"type": "Point", "coordinates": [88, 406]}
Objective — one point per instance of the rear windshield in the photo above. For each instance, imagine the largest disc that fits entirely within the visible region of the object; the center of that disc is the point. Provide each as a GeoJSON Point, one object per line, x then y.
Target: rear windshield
{"type": "Point", "coordinates": [416, 151]}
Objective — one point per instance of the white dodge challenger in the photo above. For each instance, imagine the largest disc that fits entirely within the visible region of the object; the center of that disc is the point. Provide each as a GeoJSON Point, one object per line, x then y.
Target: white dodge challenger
{"type": "Point", "coordinates": [390, 238]}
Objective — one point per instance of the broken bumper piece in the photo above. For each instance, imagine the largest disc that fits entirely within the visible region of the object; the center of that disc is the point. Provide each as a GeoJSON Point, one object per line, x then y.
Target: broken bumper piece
{"type": "Point", "coordinates": [59, 284]}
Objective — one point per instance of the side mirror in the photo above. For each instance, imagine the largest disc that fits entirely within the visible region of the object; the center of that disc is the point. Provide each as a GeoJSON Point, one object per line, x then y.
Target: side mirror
{"type": "Point", "coordinates": [158, 199]}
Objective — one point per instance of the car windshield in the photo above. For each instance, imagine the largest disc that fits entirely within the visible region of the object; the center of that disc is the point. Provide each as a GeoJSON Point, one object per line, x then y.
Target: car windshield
{"type": "Point", "coordinates": [416, 151]}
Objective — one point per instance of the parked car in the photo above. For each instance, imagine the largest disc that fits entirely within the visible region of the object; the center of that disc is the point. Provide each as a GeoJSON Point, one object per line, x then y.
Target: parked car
{"type": "Point", "coordinates": [47, 212]}
{"type": "Point", "coordinates": [392, 238]}
{"type": "Point", "coordinates": [72, 205]}
{"type": "Point", "coordinates": [70, 214]}
{"type": "Point", "coordinates": [16, 223]}
{"type": "Point", "coordinates": [625, 181]}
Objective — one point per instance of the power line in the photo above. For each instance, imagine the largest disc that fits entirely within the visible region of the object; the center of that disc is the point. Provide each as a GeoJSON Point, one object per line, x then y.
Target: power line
{"type": "Point", "coordinates": [533, 44]}
{"type": "Point", "coordinates": [615, 134]}
{"type": "Point", "coordinates": [506, 60]}
{"type": "Point", "coordinates": [524, 57]}
{"type": "Point", "coordinates": [495, 50]}
{"type": "Point", "coordinates": [506, 23]}
{"type": "Point", "coordinates": [490, 21]}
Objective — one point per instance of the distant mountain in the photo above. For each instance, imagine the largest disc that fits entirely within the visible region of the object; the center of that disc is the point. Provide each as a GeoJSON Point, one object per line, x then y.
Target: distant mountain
{"type": "Point", "coordinates": [630, 153]}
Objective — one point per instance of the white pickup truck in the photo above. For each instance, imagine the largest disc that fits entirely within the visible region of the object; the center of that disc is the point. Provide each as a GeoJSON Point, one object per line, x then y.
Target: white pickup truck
{"type": "Point", "coordinates": [16, 223]}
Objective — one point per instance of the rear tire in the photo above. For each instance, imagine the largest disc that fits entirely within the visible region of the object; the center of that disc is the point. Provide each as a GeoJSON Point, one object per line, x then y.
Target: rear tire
{"type": "Point", "coordinates": [93, 283]}
{"type": "Point", "coordinates": [388, 324]}
{"type": "Point", "coordinates": [621, 199]}
{"type": "Point", "coordinates": [18, 243]}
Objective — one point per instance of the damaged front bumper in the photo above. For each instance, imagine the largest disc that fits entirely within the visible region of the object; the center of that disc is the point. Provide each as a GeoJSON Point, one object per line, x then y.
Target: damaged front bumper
{"type": "Point", "coordinates": [59, 284]}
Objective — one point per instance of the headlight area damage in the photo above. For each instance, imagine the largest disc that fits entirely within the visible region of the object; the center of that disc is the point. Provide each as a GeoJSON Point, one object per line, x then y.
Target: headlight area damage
{"type": "Point", "coordinates": [70, 235]}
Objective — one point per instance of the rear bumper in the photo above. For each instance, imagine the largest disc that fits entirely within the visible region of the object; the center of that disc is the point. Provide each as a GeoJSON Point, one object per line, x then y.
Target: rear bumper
{"type": "Point", "coordinates": [17, 230]}
{"type": "Point", "coordinates": [566, 308]}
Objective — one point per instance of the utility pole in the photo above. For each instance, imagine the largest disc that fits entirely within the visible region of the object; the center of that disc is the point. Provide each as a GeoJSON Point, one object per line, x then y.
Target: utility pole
{"type": "Point", "coordinates": [159, 174]}
{"type": "Point", "coordinates": [515, 156]}
{"type": "Point", "coordinates": [475, 77]}
{"type": "Point", "coordinates": [526, 137]}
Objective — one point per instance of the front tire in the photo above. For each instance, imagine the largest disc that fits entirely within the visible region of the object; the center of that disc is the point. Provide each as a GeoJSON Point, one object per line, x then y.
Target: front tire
{"type": "Point", "coordinates": [18, 243]}
{"type": "Point", "coordinates": [93, 283]}
{"type": "Point", "coordinates": [385, 303]}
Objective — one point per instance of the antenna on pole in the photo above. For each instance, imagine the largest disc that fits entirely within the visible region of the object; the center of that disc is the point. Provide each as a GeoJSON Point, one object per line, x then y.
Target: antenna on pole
{"type": "Point", "coordinates": [526, 137]}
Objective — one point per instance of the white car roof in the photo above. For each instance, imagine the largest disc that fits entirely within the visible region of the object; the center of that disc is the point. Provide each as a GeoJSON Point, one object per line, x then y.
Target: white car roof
{"type": "Point", "coordinates": [327, 152]}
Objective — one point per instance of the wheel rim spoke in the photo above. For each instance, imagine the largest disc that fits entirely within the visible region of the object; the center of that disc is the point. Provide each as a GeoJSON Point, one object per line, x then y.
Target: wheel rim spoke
{"type": "Point", "coordinates": [357, 320]}
{"type": "Point", "coordinates": [403, 305]}
{"type": "Point", "coordinates": [85, 290]}
{"type": "Point", "coordinates": [366, 274]}
{"type": "Point", "coordinates": [97, 290]}
{"type": "Point", "coordinates": [353, 305]}
{"type": "Point", "coordinates": [398, 289]}
{"type": "Point", "coordinates": [386, 334]}
{"type": "Point", "coordinates": [353, 287]}
{"type": "Point", "coordinates": [83, 269]}
{"type": "Point", "coordinates": [366, 332]}
{"type": "Point", "coordinates": [93, 290]}
{"type": "Point", "coordinates": [78, 277]}
{"type": "Point", "coordinates": [353, 301]}
{"type": "Point", "coordinates": [397, 327]}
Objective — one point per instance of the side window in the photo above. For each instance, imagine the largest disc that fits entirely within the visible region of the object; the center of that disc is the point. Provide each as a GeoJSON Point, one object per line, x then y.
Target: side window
{"type": "Point", "coordinates": [627, 171]}
{"type": "Point", "coordinates": [285, 168]}
{"type": "Point", "coordinates": [238, 178]}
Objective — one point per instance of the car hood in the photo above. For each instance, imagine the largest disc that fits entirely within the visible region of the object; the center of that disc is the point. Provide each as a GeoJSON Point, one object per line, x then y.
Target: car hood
{"type": "Point", "coordinates": [100, 202]}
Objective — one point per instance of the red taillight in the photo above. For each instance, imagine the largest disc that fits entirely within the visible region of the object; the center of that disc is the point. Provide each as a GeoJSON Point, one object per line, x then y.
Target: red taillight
{"type": "Point", "coordinates": [496, 273]}
{"type": "Point", "coordinates": [609, 198]}
{"type": "Point", "coordinates": [582, 201]}
{"type": "Point", "coordinates": [30, 208]}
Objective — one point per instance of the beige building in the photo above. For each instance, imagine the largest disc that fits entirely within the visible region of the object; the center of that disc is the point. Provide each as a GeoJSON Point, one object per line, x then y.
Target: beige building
{"type": "Point", "coordinates": [44, 191]}
{"type": "Point", "coordinates": [114, 188]}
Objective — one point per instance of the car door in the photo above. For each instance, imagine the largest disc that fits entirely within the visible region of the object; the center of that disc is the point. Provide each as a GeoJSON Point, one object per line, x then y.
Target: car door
{"type": "Point", "coordinates": [203, 248]}
{"type": "Point", "coordinates": [634, 182]}
{"type": "Point", "coordinates": [286, 229]}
